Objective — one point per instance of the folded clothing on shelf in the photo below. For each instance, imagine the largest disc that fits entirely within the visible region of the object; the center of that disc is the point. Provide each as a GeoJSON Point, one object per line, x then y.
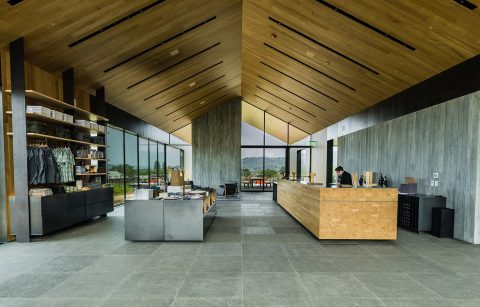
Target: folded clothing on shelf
{"type": "Point", "coordinates": [56, 115]}
{"type": "Point", "coordinates": [98, 139]}
{"type": "Point", "coordinates": [40, 192]}
{"type": "Point", "coordinates": [40, 110]}
{"type": "Point", "coordinates": [62, 132]}
{"type": "Point", "coordinates": [81, 136]}
{"type": "Point", "coordinates": [67, 118]}
{"type": "Point", "coordinates": [39, 127]}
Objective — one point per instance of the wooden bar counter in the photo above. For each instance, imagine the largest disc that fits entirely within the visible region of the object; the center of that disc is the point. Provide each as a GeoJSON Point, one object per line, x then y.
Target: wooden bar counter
{"type": "Point", "coordinates": [341, 213]}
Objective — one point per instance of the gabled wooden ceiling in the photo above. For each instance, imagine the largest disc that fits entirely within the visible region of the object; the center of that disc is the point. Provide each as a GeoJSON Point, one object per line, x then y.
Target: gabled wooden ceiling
{"type": "Point", "coordinates": [313, 63]}
{"type": "Point", "coordinates": [166, 62]}
{"type": "Point", "coordinates": [307, 62]}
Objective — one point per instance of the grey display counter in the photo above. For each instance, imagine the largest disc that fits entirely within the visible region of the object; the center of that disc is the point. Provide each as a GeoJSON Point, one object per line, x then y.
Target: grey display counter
{"type": "Point", "coordinates": [58, 211]}
{"type": "Point", "coordinates": [167, 220]}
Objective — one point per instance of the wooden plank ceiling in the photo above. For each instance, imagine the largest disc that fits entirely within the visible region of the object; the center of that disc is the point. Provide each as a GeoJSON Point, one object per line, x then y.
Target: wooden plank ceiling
{"type": "Point", "coordinates": [308, 62]}
{"type": "Point", "coordinates": [166, 62]}
{"type": "Point", "coordinates": [313, 63]}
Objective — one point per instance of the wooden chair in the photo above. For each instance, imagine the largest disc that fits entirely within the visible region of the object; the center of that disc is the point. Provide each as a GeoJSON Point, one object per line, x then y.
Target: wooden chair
{"type": "Point", "coordinates": [266, 182]}
{"type": "Point", "coordinates": [246, 182]}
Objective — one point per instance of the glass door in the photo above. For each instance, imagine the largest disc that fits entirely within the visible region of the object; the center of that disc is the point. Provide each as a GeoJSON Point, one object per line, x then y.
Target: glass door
{"type": "Point", "coordinates": [252, 169]}
{"type": "Point", "coordinates": [275, 161]}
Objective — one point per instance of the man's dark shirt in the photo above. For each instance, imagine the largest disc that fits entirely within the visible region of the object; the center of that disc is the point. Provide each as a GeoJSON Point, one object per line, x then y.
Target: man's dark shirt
{"type": "Point", "coordinates": [346, 178]}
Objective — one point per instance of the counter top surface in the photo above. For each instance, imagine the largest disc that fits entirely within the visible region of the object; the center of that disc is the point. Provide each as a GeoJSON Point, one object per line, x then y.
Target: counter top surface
{"type": "Point", "coordinates": [320, 186]}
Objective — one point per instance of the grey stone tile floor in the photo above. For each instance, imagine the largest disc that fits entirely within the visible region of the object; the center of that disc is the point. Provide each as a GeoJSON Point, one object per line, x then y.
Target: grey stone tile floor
{"type": "Point", "coordinates": [255, 254]}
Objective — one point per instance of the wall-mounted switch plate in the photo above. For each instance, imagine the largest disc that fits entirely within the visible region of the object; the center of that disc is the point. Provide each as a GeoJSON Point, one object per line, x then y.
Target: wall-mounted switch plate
{"type": "Point", "coordinates": [432, 183]}
{"type": "Point", "coordinates": [435, 175]}
{"type": "Point", "coordinates": [436, 183]}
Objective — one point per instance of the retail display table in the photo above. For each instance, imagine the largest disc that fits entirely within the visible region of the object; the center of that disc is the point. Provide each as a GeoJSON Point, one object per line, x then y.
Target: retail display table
{"type": "Point", "coordinates": [168, 219]}
{"type": "Point", "coordinates": [341, 213]}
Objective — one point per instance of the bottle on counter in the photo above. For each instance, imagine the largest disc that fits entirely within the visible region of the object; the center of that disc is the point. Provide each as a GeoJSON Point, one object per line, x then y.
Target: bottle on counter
{"type": "Point", "coordinates": [385, 182]}
{"type": "Point", "coordinates": [380, 180]}
{"type": "Point", "coordinates": [360, 181]}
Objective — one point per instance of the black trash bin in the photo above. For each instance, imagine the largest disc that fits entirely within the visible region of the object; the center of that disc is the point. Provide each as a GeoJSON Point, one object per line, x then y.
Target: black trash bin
{"type": "Point", "coordinates": [442, 222]}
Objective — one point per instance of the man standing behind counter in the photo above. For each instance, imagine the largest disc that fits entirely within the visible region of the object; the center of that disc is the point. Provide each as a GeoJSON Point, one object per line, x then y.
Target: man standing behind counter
{"type": "Point", "coordinates": [344, 177]}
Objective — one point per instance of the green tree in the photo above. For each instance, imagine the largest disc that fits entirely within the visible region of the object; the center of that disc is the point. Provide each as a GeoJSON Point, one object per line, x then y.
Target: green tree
{"type": "Point", "coordinates": [270, 173]}
{"type": "Point", "coordinates": [246, 172]}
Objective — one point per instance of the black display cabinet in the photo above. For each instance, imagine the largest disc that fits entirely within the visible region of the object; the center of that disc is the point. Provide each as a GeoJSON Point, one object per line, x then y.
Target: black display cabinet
{"type": "Point", "coordinates": [415, 211]}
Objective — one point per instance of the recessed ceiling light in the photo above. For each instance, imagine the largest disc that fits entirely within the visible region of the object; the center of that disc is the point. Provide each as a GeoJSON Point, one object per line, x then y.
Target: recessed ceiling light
{"type": "Point", "coordinates": [192, 84]}
{"type": "Point", "coordinates": [174, 52]}
{"type": "Point", "coordinates": [310, 54]}
{"type": "Point", "coordinates": [202, 102]}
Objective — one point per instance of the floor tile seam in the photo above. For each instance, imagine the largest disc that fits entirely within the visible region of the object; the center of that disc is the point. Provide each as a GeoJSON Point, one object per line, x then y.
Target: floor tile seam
{"type": "Point", "coordinates": [44, 295]}
{"type": "Point", "coordinates": [241, 269]}
{"type": "Point", "coordinates": [117, 285]}
{"type": "Point", "coordinates": [365, 286]}
{"type": "Point", "coordinates": [419, 283]}
{"type": "Point", "coordinates": [299, 279]}
{"type": "Point", "coordinates": [137, 269]}
{"type": "Point", "coordinates": [185, 275]}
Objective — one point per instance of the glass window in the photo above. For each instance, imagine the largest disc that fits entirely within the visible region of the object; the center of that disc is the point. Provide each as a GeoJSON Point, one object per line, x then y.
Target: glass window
{"type": "Point", "coordinates": [275, 131]}
{"type": "Point", "coordinates": [153, 163]}
{"type": "Point", "coordinates": [252, 169]}
{"type": "Point", "coordinates": [252, 125]}
{"type": "Point", "coordinates": [274, 166]}
{"type": "Point", "coordinates": [177, 141]}
{"type": "Point", "coordinates": [143, 162]}
{"type": "Point", "coordinates": [161, 160]}
{"type": "Point", "coordinates": [131, 164]}
{"type": "Point", "coordinates": [115, 164]}
{"type": "Point", "coordinates": [182, 136]}
{"type": "Point", "coordinates": [298, 137]}
{"type": "Point", "coordinates": [173, 160]}
{"type": "Point", "coordinates": [300, 163]}
{"type": "Point", "coordinates": [335, 159]}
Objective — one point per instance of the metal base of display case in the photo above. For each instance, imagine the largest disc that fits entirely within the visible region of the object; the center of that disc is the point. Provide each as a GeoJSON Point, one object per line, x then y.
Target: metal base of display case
{"type": "Point", "coordinates": [167, 220]}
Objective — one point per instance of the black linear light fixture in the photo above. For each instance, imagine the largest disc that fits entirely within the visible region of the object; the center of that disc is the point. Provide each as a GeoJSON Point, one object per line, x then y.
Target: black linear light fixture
{"type": "Point", "coordinates": [189, 77]}
{"type": "Point", "coordinates": [203, 105]}
{"type": "Point", "coordinates": [469, 5]}
{"type": "Point", "coordinates": [280, 98]}
{"type": "Point", "coordinates": [14, 2]}
{"type": "Point", "coordinates": [323, 45]}
{"type": "Point", "coordinates": [187, 93]}
{"type": "Point", "coordinates": [173, 65]}
{"type": "Point", "coordinates": [161, 43]}
{"type": "Point", "coordinates": [285, 110]}
{"type": "Point", "coordinates": [116, 23]}
{"type": "Point", "coordinates": [303, 83]}
{"type": "Point", "coordinates": [197, 100]}
{"type": "Point", "coordinates": [309, 66]}
{"type": "Point", "coordinates": [365, 24]}
{"type": "Point", "coordinates": [294, 94]}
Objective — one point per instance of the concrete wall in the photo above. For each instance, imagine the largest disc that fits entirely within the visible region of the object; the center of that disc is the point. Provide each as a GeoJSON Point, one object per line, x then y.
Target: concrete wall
{"type": "Point", "coordinates": [319, 156]}
{"type": "Point", "coordinates": [216, 145]}
{"type": "Point", "coordinates": [441, 139]}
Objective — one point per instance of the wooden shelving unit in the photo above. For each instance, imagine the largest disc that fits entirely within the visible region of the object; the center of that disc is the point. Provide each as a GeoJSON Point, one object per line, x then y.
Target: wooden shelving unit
{"type": "Point", "coordinates": [56, 138]}
{"type": "Point", "coordinates": [48, 101]}
{"type": "Point", "coordinates": [39, 117]}
{"type": "Point", "coordinates": [34, 98]}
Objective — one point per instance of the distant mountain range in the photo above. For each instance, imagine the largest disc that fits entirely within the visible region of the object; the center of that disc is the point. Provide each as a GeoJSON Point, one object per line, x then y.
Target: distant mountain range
{"type": "Point", "coordinates": [253, 163]}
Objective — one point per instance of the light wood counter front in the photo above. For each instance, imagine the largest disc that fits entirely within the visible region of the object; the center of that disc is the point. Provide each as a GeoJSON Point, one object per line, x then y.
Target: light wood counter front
{"type": "Point", "coordinates": [343, 213]}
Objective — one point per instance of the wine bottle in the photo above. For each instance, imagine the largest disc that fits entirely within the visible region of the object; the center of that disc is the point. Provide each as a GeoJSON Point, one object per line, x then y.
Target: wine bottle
{"type": "Point", "coordinates": [380, 180]}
